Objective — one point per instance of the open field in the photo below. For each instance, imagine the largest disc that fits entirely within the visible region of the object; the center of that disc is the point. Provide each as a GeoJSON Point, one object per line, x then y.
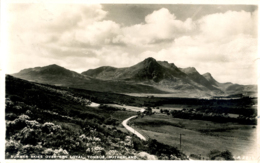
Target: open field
{"type": "Point", "coordinates": [173, 107]}
{"type": "Point", "coordinates": [131, 108]}
{"type": "Point", "coordinates": [122, 115]}
{"type": "Point", "coordinates": [239, 139]}
{"type": "Point", "coordinates": [169, 107]}
{"type": "Point", "coordinates": [184, 94]}
{"type": "Point", "coordinates": [197, 125]}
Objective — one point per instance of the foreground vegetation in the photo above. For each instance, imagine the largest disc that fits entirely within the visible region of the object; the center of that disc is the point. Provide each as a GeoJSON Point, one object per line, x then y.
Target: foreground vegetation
{"type": "Point", "coordinates": [48, 122]}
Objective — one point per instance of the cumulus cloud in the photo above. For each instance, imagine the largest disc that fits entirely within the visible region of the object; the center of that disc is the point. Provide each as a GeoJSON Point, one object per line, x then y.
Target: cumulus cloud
{"type": "Point", "coordinates": [53, 31]}
{"type": "Point", "coordinates": [97, 33]}
{"type": "Point", "coordinates": [44, 23]}
{"type": "Point", "coordinates": [161, 25]}
{"type": "Point", "coordinates": [221, 26]}
{"type": "Point", "coordinates": [80, 37]}
{"type": "Point", "coordinates": [53, 17]}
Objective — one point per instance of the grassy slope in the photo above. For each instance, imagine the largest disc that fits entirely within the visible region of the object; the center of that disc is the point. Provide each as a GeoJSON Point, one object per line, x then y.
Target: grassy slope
{"type": "Point", "coordinates": [239, 139]}
{"type": "Point", "coordinates": [93, 84]}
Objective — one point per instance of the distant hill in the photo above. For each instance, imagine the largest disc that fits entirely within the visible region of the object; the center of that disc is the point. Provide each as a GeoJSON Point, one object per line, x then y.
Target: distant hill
{"type": "Point", "coordinates": [194, 75]}
{"type": "Point", "coordinates": [57, 75]}
{"type": "Point", "coordinates": [160, 74]}
{"type": "Point", "coordinates": [54, 70]}
{"type": "Point", "coordinates": [52, 74]}
{"type": "Point", "coordinates": [147, 70]}
{"type": "Point", "coordinates": [148, 76]}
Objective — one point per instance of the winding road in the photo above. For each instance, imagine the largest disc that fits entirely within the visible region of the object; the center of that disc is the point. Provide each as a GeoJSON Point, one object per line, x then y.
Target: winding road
{"type": "Point", "coordinates": [124, 123]}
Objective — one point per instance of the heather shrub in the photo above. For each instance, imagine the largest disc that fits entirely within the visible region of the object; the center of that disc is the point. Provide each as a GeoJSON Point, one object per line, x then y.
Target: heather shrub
{"type": "Point", "coordinates": [12, 146]}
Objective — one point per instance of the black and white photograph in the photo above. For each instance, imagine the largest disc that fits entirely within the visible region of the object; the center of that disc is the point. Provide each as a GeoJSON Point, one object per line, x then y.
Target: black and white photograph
{"type": "Point", "coordinates": [131, 81]}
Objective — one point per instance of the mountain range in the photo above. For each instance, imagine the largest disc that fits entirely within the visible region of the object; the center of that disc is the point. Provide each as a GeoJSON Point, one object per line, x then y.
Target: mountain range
{"type": "Point", "coordinates": [148, 76]}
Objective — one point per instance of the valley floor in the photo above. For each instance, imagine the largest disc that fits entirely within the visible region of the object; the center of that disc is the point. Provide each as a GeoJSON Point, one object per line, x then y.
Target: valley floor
{"type": "Point", "coordinates": [240, 140]}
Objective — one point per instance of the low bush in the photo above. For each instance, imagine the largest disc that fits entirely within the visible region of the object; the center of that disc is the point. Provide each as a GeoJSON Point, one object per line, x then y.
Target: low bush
{"type": "Point", "coordinates": [227, 155]}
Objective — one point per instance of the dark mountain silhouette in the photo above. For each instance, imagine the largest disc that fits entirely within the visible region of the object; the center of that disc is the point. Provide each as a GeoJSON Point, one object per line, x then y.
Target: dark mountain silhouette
{"type": "Point", "coordinates": [148, 76]}
{"type": "Point", "coordinates": [147, 70]}
{"type": "Point", "coordinates": [57, 75]}
{"type": "Point", "coordinates": [52, 74]}
{"type": "Point", "coordinates": [158, 73]}
{"type": "Point", "coordinates": [52, 70]}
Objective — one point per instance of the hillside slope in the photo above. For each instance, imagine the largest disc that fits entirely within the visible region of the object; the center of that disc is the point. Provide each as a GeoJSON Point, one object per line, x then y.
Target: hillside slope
{"type": "Point", "coordinates": [44, 122]}
{"type": "Point", "coordinates": [52, 74]}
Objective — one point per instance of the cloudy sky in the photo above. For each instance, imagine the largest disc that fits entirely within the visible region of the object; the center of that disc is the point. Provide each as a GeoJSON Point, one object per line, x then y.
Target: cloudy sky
{"type": "Point", "coordinates": [220, 39]}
